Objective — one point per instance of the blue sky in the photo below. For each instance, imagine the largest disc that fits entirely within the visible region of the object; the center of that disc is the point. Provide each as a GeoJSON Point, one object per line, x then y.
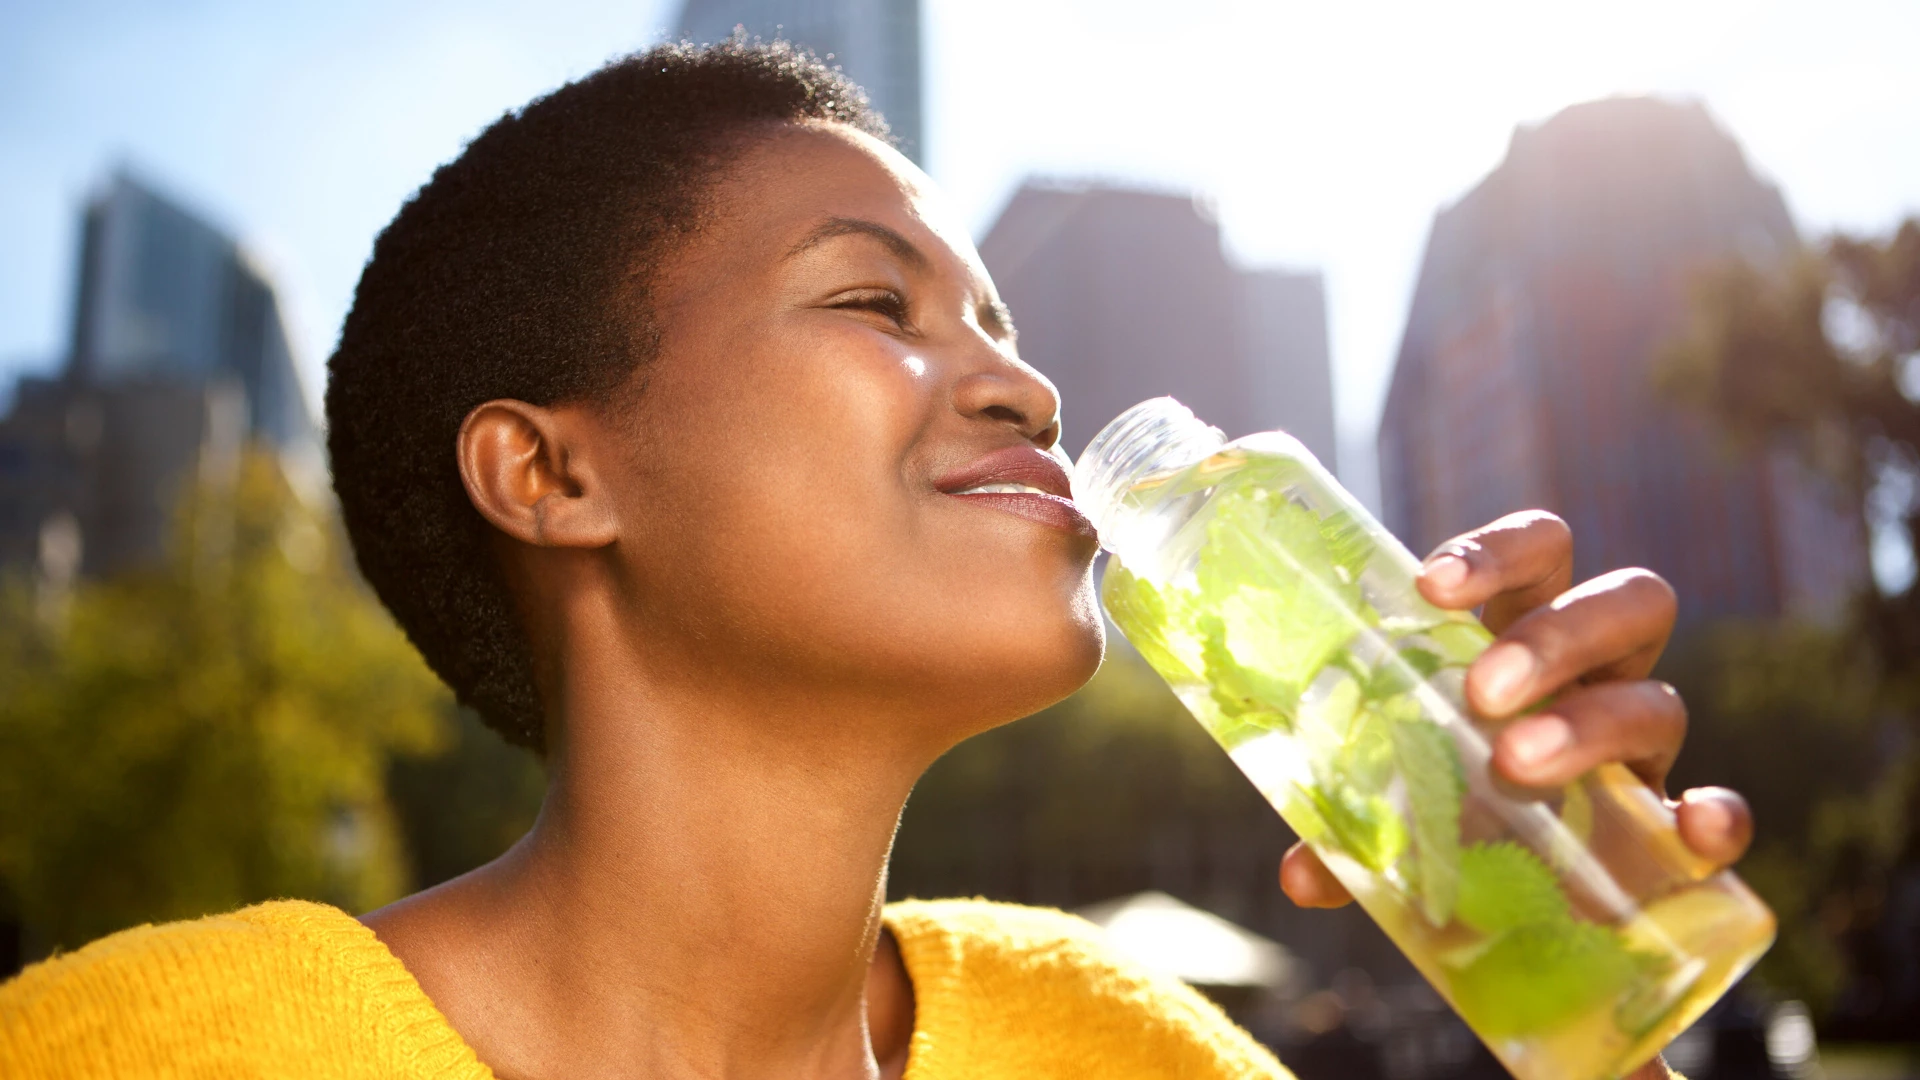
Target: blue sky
{"type": "Point", "coordinates": [1326, 133]}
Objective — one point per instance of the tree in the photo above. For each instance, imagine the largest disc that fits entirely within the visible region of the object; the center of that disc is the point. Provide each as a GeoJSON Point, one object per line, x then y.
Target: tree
{"type": "Point", "coordinates": [210, 732]}
{"type": "Point", "coordinates": [1824, 355]}
{"type": "Point", "coordinates": [1793, 717]}
{"type": "Point", "coordinates": [1818, 725]}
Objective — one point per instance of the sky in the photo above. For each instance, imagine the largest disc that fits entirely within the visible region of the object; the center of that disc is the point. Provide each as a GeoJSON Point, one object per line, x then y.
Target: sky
{"type": "Point", "coordinates": [1326, 135]}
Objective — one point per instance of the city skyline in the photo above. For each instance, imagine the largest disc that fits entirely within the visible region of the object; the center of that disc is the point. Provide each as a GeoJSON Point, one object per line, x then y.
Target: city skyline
{"type": "Point", "coordinates": [1327, 136]}
{"type": "Point", "coordinates": [1121, 295]}
{"type": "Point", "coordinates": [1529, 369]}
{"type": "Point", "coordinates": [177, 357]}
{"type": "Point", "coordinates": [876, 42]}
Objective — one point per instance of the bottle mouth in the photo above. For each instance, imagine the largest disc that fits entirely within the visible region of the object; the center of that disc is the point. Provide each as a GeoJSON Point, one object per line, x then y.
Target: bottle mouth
{"type": "Point", "coordinates": [1155, 437]}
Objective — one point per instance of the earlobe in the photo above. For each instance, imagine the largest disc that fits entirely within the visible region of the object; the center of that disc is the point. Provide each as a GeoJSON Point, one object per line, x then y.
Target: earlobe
{"type": "Point", "coordinates": [528, 481]}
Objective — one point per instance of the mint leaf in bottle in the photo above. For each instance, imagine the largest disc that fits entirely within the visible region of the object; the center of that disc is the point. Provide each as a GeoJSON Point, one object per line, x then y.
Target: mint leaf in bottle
{"type": "Point", "coordinates": [1132, 601]}
{"type": "Point", "coordinates": [1539, 977]}
{"type": "Point", "coordinates": [1429, 764]}
{"type": "Point", "coordinates": [1504, 887]}
{"type": "Point", "coordinates": [1293, 626]}
{"type": "Point", "coordinates": [1366, 827]}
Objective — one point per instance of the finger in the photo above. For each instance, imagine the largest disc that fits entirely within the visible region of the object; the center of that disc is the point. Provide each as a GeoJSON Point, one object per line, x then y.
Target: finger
{"type": "Point", "coordinates": [1307, 881]}
{"type": "Point", "coordinates": [1612, 627]}
{"type": "Point", "coordinates": [1512, 566]}
{"type": "Point", "coordinates": [1715, 823]}
{"type": "Point", "coordinates": [1638, 723]}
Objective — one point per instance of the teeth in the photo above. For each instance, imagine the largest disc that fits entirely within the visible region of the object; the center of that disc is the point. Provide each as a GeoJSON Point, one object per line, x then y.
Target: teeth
{"type": "Point", "coordinates": [1002, 489]}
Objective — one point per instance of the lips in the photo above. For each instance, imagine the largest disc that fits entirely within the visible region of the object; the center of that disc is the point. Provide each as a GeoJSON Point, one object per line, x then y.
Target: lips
{"type": "Point", "coordinates": [1020, 480]}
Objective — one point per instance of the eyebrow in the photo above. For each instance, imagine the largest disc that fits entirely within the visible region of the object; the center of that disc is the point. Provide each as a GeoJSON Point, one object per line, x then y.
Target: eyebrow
{"type": "Point", "coordinates": [843, 226]}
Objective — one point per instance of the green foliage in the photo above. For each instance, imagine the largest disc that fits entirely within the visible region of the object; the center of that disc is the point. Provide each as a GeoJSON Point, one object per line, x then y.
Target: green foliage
{"type": "Point", "coordinates": [1787, 373]}
{"type": "Point", "coordinates": [1538, 966]}
{"type": "Point", "coordinates": [1537, 977]}
{"type": "Point", "coordinates": [1245, 693]}
{"type": "Point", "coordinates": [208, 733]}
{"type": "Point", "coordinates": [1411, 666]}
{"type": "Point", "coordinates": [1798, 719]}
{"type": "Point", "coordinates": [1460, 641]}
{"type": "Point", "coordinates": [1436, 782]}
{"type": "Point", "coordinates": [1818, 356]}
{"type": "Point", "coordinates": [1758, 353]}
{"type": "Point", "coordinates": [1278, 607]}
{"type": "Point", "coordinates": [1135, 602]}
{"type": "Point", "coordinates": [1504, 887]}
{"type": "Point", "coordinates": [1366, 827]}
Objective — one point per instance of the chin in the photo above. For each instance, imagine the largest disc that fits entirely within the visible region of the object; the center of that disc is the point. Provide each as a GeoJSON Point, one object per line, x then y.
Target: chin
{"type": "Point", "coordinates": [1036, 665]}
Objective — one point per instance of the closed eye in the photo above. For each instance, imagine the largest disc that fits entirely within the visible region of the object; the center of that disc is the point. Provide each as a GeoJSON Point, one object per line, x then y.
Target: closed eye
{"type": "Point", "coordinates": [885, 301]}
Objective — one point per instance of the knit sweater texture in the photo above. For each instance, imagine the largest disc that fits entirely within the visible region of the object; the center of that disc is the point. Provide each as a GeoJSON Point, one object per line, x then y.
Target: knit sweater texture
{"type": "Point", "coordinates": [295, 989]}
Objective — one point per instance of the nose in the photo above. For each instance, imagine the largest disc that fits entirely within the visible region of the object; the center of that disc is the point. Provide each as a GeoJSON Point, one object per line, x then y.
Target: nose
{"type": "Point", "coordinates": [1005, 390]}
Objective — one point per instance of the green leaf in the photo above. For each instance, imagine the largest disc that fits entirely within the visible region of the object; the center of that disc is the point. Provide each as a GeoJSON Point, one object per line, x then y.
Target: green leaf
{"type": "Point", "coordinates": [1301, 811]}
{"type": "Point", "coordinates": [1143, 613]}
{"type": "Point", "coordinates": [1402, 671]}
{"type": "Point", "coordinates": [1348, 745]}
{"type": "Point", "coordinates": [1366, 763]}
{"type": "Point", "coordinates": [1460, 642]}
{"type": "Point", "coordinates": [1240, 689]}
{"type": "Point", "coordinates": [1540, 977]}
{"type": "Point", "coordinates": [1232, 732]}
{"type": "Point", "coordinates": [1349, 546]}
{"type": "Point", "coordinates": [1262, 538]}
{"type": "Point", "coordinates": [1504, 887]}
{"type": "Point", "coordinates": [1279, 607]}
{"type": "Point", "coordinates": [1539, 967]}
{"type": "Point", "coordinates": [1260, 650]}
{"type": "Point", "coordinates": [1365, 827]}
{"type": "Point", "coordinates": [1324, 722]}
{"type": "Point", "coordinates": [1429, 763]}
{"type": "Point", "coordinates": [1287, 637]}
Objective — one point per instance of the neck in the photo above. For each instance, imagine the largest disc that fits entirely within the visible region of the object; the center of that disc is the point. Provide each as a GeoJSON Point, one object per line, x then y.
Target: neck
{"type": "Point", "coordinates": [700, 896]}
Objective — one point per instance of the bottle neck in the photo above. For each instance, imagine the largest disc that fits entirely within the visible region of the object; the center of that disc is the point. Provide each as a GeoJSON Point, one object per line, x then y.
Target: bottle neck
{"type": "Point", "coordinates": [1153, 438]}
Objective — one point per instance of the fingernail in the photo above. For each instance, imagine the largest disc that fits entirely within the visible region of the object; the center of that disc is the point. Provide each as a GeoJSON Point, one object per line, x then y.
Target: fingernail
{"type": "Point", "coordinates": [1505, 675]}
{"type": "Point", "coordinates": [1709, 800]}
{"type": "Point", "coordinates": [1446, 570]}
{"type": "Point", "coordinates": [1537, 740]}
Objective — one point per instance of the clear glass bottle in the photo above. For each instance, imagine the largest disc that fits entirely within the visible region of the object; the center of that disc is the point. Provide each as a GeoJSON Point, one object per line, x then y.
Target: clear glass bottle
{"type": "Point", "coordinates": [1571, 928]}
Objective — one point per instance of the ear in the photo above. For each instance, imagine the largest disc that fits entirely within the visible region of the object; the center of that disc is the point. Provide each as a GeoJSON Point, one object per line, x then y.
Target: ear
{"type": "Point", "coordinates": [525, 477]}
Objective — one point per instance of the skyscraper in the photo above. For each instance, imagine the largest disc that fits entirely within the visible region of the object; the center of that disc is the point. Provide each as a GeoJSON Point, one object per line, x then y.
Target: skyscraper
{"type": "Point", "coordinates": [1526, 376]}
{"type": "Point", "coordinates": [877, 43]}
{"type": "Point", "coordinates": [177, 353]}
{"type": "Point", "coordinates": [1121, 295]}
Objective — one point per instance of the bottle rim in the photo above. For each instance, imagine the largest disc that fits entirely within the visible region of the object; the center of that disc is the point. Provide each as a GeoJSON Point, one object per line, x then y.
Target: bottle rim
{"type": "Point", "coordinates": [1157, 436]}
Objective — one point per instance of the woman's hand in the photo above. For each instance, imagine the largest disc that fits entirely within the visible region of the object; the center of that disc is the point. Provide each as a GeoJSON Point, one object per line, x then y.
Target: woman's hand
{"type": "Point", "coordinates": [1593, 646]}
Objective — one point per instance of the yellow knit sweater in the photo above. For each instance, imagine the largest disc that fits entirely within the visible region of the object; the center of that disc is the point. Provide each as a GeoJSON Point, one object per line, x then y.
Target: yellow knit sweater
{"type": "Point", "coordinates": [293, 989]}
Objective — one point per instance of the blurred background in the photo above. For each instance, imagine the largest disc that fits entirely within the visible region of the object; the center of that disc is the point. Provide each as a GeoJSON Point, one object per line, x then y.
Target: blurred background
{"type": "Point", "coordinates": [1652, 266]}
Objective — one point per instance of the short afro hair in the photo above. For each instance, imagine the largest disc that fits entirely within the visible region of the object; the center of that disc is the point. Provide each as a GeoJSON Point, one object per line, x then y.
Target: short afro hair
{"type": "Point", "coordinates": [522, 270]}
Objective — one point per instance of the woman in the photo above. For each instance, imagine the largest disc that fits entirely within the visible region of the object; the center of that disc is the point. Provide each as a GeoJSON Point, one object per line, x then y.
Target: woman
{"type": "Point", "coordinates": [680, 426]}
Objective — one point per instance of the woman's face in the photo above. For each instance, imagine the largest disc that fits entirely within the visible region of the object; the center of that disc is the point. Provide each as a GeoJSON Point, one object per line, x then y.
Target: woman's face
{"type": "Point", "coordinates": [842, 479]}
